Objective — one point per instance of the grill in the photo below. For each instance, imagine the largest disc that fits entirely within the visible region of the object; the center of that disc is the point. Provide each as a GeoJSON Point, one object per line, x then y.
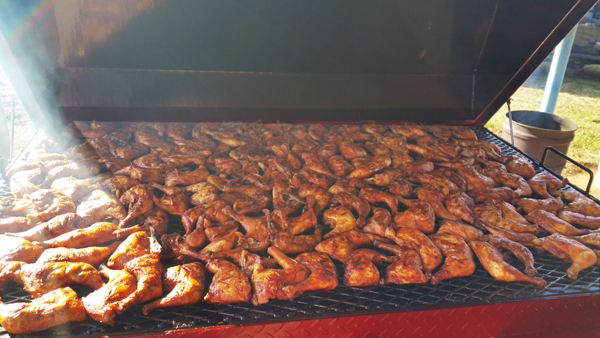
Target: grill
{"type": "Point", "coordinates": [479, 288]}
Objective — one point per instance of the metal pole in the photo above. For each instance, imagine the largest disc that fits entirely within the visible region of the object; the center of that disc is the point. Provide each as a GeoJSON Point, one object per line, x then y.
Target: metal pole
{"type": "Point", "coordinates": [12, 125]}
{"type": "Point", "coordinates": [4, 138]}
{"type": "Point", "coordinates": [510, 123]}
{"type": "Point", "coordinates": [557, 72]}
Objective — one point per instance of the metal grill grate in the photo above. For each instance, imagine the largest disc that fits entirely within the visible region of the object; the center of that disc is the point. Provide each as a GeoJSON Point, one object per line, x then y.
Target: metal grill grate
{"type": "Point", "coordinates": [479, 288]}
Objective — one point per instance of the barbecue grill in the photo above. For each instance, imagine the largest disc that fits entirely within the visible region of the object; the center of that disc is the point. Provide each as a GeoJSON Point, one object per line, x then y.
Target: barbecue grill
{"type": "Point", "coordinates": [445, 61]}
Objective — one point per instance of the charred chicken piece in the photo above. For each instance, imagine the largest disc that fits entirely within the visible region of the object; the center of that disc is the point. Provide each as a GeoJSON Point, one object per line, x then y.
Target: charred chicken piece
{"type": "Point", "coordinates": [420, 215]}
{"type": "Point", "coordinates": [54, 227]}
{"type": "Point", "coordinates": [173, 200]}
{"type": "Point", "coordinates": [148, 271]}
{"type": "Point", "coordinates": [256, 238]}
{"type": "Point", "coordinates": [554, 225]}
{"type": "Point", "coordinates": [58, 306]}
{"type": "Point", "coordinates": [101, 305]}
{"type": "Point", "coordinates": [570, 250]}
{"type": "Point", "coordinates": [460, 229]}
{"type": "Point", "coordinates": [377, 223]}
{"type": "Point", "coordinates": [98, 205]}
{"type": "Point", "coordinates": [520, 251]}
{"type": "Point", "coordinates": [340, 219]}
{"type": "Point", "coordinates": [546, 184]}
{"type": "Point", "coordinates": [138, 200]}
{"type": "Point", "coordinates": [269, 283]}
{"type": "Point", "coordinates": [459, 258]}
{"type": "Point", "coordinates": [229, 283]}
{"type": "Point", "coordinates": [97, 233]}
{"type": "Point", "coordinates": [340, 247]}
{"type": "Point", "coordinates": [92, 255]}
{"type": "Point", "coordinates": [350, 201]}
{"type": "Point", "coordinates": [185, 284]}
{"type": "Point", "coordinates": [39, 279]}
{"type": "Point", "coordinates": [493, 262]}
{"type": "Point", "coordinates": [576, 218]}
{"type": "Point", "coordinates": [323, 274]}
{"type": "Point", "coordinates": [360, 269]}
{"type": "Point", "coordinates": [136, 245]}
{"type": "Point", "coordinates": [18, 249]}
{"type": "Point", "coordinates": [408, 269]}
{"type": "Point", "coordinates": [416, 240]}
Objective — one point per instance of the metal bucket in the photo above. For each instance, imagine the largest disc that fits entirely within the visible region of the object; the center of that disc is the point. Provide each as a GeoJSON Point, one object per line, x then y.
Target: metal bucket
{"type": "Point", "coordinates": [534, 131]}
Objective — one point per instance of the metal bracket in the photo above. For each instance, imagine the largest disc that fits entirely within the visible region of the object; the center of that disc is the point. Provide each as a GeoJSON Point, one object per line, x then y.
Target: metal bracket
{"type": "Point", "coordinates": [510, 123]}
{"type": "Point", "coordinates": [559, 153]}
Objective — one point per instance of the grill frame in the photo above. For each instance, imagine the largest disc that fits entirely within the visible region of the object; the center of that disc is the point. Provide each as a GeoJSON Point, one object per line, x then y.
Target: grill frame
{"type": "Point", "coordinates": [477, 289]}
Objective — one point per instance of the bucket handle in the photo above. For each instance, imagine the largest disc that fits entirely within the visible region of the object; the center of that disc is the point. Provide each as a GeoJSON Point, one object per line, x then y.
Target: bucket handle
{"type": "Point", "coordinates": [559, 153]}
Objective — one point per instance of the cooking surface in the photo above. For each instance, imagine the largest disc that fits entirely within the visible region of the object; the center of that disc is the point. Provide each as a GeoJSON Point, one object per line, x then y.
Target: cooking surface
{"type": "Point", "coordinates": [479, 288]}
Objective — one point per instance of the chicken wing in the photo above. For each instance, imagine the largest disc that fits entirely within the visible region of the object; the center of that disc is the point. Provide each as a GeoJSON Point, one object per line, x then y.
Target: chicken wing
{"type": "Point", "coordinates": [54, 227]}
{"type": "Point", "coordinates": [39, 279]}
{"type": "Point", "coordinates": [554, 225]}
{"type": "Point", "coordinates": [148, 270]}
{"type": "Point", "coordinates": [98, 205]}
{"type": "Point", "coordinates": [493, 262]}
{"type": "Point", "coordinates": [408, 269]}
{"type": "Point", "coordinates": [54, 308]}
{"type": "Point", "coordinates": [431, 255]}
{"type": "Point", "coordinates": [323, 274]}
{"type": "Point", "coordinates": [570, 250]}
{"type": "Point", "coordinates": [520, 251]}
{"type": "Point", "coordinates": [460, 229]}
{"type": "Point", "coordinates": [185, 284]}
{"type": "Point", "coordinates": [229, 284]}
{"type": "Point", "coordinates": [459, 258]}
{"type": "Point", "coordinates": [360, 269]}
{"type": "Point", "coordinates": [420, 215]}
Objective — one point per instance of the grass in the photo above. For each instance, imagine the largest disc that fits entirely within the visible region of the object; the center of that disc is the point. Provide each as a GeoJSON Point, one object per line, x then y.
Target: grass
{"type": "Point", "coordinates": [579, 101]}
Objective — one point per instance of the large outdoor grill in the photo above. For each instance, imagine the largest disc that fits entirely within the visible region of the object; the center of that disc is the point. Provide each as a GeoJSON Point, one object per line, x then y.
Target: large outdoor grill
{"type": "Point", "coordinates": [446, 61]}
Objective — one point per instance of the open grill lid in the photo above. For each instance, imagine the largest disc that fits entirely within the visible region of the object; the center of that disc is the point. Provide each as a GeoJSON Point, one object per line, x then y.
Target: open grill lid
{"type": "Point", "coordinates": [452, 61]}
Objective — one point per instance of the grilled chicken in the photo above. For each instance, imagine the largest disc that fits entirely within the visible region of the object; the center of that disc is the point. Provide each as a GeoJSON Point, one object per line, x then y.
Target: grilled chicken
{"type": "Point", "coordinates": [148, 271]}
{"type": "Point", "coordinates": [91, 255]}
{"type": "Point", "coordinates": [340, 247]}
{"type": "Point", "coordinates": [138, 200]}
{"type": "Point", "coordinates": [101, 305]}
{"type": "Point", "coordinates": [229, 283]}
{"type": "Point", "coordinates": [546, 184]}
{"type": "Point", "coordinates": [460, 229]}
{"type": "Point", "coordinates": [579, 203]}
{"type": "Point", "coordinates": [570, 250]}
{"type": "Point", "coordinates": [54, 227]}
{"type": "Point", "coordinates": [576, 218]}
{"type": "Point", "coordinates": [408, 269]}
{"type": "Point", "coordinates": [431, 255]}
{"type": "Point", "coordinates": [98, 205]}
{"type": "Point", "coordinates": [136, 245]}
{"type": "Point", "coordinates": [420, 215]}
{"type": "Point", "coordinates": [554, 225]}
{"type": "Point", "coordinates": [39, 279]}
{"type": "Point", "coordinates": [97, 233]}
{"type": "Point", "coordinates": [520, 251]}
{"type": "Point", "coordinates": [323, 274]}
{"type": "Point", "coordinates": [360, 269]}
{"type": "Point", "coordinates": [458, 260]}
{"type": "Point", "coordinates": [340, 219]}
{"type": "Point", "coordinates": [18, 249]}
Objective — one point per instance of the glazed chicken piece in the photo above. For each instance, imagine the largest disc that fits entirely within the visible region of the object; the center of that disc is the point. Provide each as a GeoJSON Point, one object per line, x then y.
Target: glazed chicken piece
{"type": "Point", "coordinates": [351, 186]}
{"type": "Point", "coordinates": [176, 160]}
{"type": "Point", "coordinates": [314, 163]}
{"type": "Point", "coordinates": [460, 204]}
{"type": "Point", "coordinates": [518, 164]}
{"type": "Point", "coordinates": [592, 239]}
{"type": "Point", "coordinates": [10, 224]}
{"type": "Point", "coordinates": [373, 128]}
{"type": "Point", "coordinates": [341, 246]}
{"type": "Point", "coordinates": [135, 245]}
{"type": "Point", "coordinates": [26, 182]}
{"type": "Point", "coordinates": [40, 206]}
{"type": "Point", "coordinates": [340, 219]}
{"type": "Point", "coordinates": [520, 251]}
{"type": "Point", "coordinates": [244, 259]}
{"type": "Point", "coordinates": [400, 187]}
{"type": "Point", "coordinates": [524, 238]}
{"type": "Point", "coordinates": [173, 201]}
{"type": "Point", "coordinates": [113, 164]}
{"type": "Point", "coordinates": [58, 307]}
{"type": "Point", "coordinates": [179, 131]}
{"type": "Point", "coordinates": [460, 229]}
{"type": "Point", "coordinates": [554, 225]}
{"type": "Point", "coordinates": [350, 201]}
{"type": "Point", "coordinates": [367, 166]}
{"type": "Point", "coordinates": [435, 199]}
{"type": "Point", "coordinates": [148, 271]}
{"type": "Point", "coordinates": [316, 131]}
{"type": "Point", "coordinates": [39, 279]}
{"type": "Point", "coordinates": [420, 215]}
{"type": "Point", "coordinates": [18, 249]}
{"type": "Point", "coordinates": [192, 218]}
{"type": "Point", "coordinates": [409, 130]}
{"type": "Point", "coordinates": [229, 283]}
{"type": "Point", "coordinates": [98, 205]}
{"type": "Point", "coordinates": [116, 184]}
{"type": "Point", "coordinates": [181, 176]}
{"type": "Point", "coordinates": [321, 196]}
{"type": "Point", "coordinates": [79, 169]}
{"type": "Point", "coordinates": [138, 200]}
{"type": "Point", "coordinates": [576, 218]}
{"type": "Point", "coordinates": [459, 258]}
{"type": "Point", "coordinates": [92, 255]}
{"type": "Point", "coordinates": [283, 198]}
{"type": "Point", "coordinates": [54, 227]}
{"type": "Point", "coordinates": [256, 238]}
{"type": "Point", "coordinates": [73, 188]}
{"type": "Point", "coordinates": [499, 193]}
{"type": "Point", "coordinates": [10, 272]}
{"type": "Point", "coordinates": [489, 149]}
{"type": "Point", "coordinates": [493, 262]}
{"type": "Point", "coordinates": [377, 223]}
{"type": "Point", "coordinates": [185, 284]}
{"type": "Point", "coordinates": [435, 182]}
{"type": "Point", "coordinates": [154, 220]}
{"type": "Point", "coordinates": [203, 193]}
{"type": "Point", "coordinates": [253, 199]}
{"type": "Point", "coordinates": [431, 256]}
{"type": "Point", "coordinates": [151, 161]}
{"type": "Point", "coordinates": [529, 204]}
{"type": "Point", "coordinates": [360, 269]}
{"type": "Point", "coordinates": [101, 305]}
{"type": "Point", "coordinates": [326, 151]}
{"type": "Point", "coordinates": [269, 283]}
{"type": "Point", "coordinates": [450, 148]}
{"type": "Point", "coordinates": [377, 149]}
{"type": "Point", "coordinates": [291, 244]}
{"type": "Point", "coordinates": [352, 150]}
{"type": "Point", "coordinates": [97, 233]}
{"type": "Point", "coordinates": [452, 176]}
{"type": "Point", "coordinates": [144, 175]}
{"type": "Point", "coordinates": [546, 184]}
{"type": "Point", "coordinates": [385, 177]}
{"type": "Point", "coordinates": [394, 142]}
{"type": "Point", "coordinates": [570, 250]}
{"type": "Point", "coordinates": [508, 211]}
{"type": "Point", "coordinates": [375, 196]}
{"type": "Point", "coordinates": [339, 166]}
{"type": "Point", "coordinates": [473, 178]}
{"type": "Point", "coordinates": [35, 164]}
{"type": "Point", "coordinates": [516, 182]}
{"type": "Point", "coordinates": [432, 154]}
{"type": "Point", "coordinates": [492, 213]}
{"type": "Point", "coordinates": [297, 225]}
{"type": "Point", "coordinates": [323, 274]}
{"type": "Point", "coordinates": [414, 167]}
{"type": "Point", "coordinates": [581, 204]}
{"type": "Point", "coordinates": [408, 269]}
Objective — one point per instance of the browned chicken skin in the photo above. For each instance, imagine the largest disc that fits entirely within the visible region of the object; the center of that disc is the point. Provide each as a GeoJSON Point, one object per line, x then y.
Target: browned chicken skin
{"type": "Point", "coordinates": [91, 255]}
{"type": "Point", "coordinates": [148, 271]}
{"type": "Point", "coordinates": [174, 200]}
{"type": "Point", "coordinates": [39, 279]}
{"type": "Point", "coordinates": [546, 184]}
{"type": "Point", "coordinates": [323, 274]}
{"type": "Point", "coordinates": [576, 218]}
{"type": "Point", "coordinates": [377, 223]}
{"type": "Point", "coordinates": [185, 284]}
{"type": "Point", "coordinates": [18, 249]}
{"type": "Point", "coordinates": [492, 213]}
{"type": "Point", "coordinates": [570, 250]}
{"type": "Point", "coordinates": [98, 205]}
{"type": "Point", "coordinates": [229, 283]}
{"type": "Point", "coordinates": [592, 239]}
{"type": "Point", "coordinates": [340, 219]}
{"type": "Point", "coordinates": [492, 260]}
{"type": "Point", "coordinates": [527, 239]}
{"type": "Point", "coordinates": [10, 272]}
{"type": "Point", "coordinates": [367, 166]}
{"type": "Point", "coordinates": [288, 243]}
{"type": "Point", "coordinates": [97, 233]}
{"type": "Point", "coordinates": [520, 251]}
{"type": "Point", "coordinates": [436, 200]}
{"type": "Point", "coordinates": [54, 308]}
{"type": "Point", "coordinates": [101, 305]}
{"type": "Point", "coordinates": [518, 164]}
{"type": "Point", "coordinates": [431, 255]}
{"type": "Point", "coordinates": [352, 202]}
{"type": "Point", "coordinates": [459, 229]}
{"type": "Point", "coordinates": [73, 188]}
{"type": "Point", "coordinates": [460, 204]}
{"type": "Point", "coordinates": [340, 247]}
{"type": "Point", "coordinates": [256, 238]}
{"type": "Point", "coordinates": [420, 215]}
{"type": "Point", "coordinates": [54, 227]}
{"type": "Point", "coordinates": [458, 257]}
{"type": "Point", "coordinates": [137, 244]}
{"type": "Point", "coordinates": [360, 269]}
{"type": "Point", "coordinates": [579, 203]}
{"type": "Point", "coordinates": [375, 196]}
{"type": "Point", "coordinates": [297, 225]}
{"type": "Point", "coordinates": [554, 225]}
{"type": "Point", "coordinates": [138, 200]}
{"type": "Point", "coordinates": [408, 269]}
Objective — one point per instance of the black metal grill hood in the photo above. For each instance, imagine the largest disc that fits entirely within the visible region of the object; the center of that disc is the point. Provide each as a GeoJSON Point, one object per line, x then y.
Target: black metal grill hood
{"type": "Point", "coordinates": [453, 61]}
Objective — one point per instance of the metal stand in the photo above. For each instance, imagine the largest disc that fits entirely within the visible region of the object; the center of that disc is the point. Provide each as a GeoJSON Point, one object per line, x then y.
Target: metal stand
{"type": "Point", "coordinates": [510, 123]}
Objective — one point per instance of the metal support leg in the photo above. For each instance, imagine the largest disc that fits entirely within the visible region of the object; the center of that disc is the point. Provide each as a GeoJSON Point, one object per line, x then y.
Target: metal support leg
{"type": "Point", "coordinates": [557, 72]}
